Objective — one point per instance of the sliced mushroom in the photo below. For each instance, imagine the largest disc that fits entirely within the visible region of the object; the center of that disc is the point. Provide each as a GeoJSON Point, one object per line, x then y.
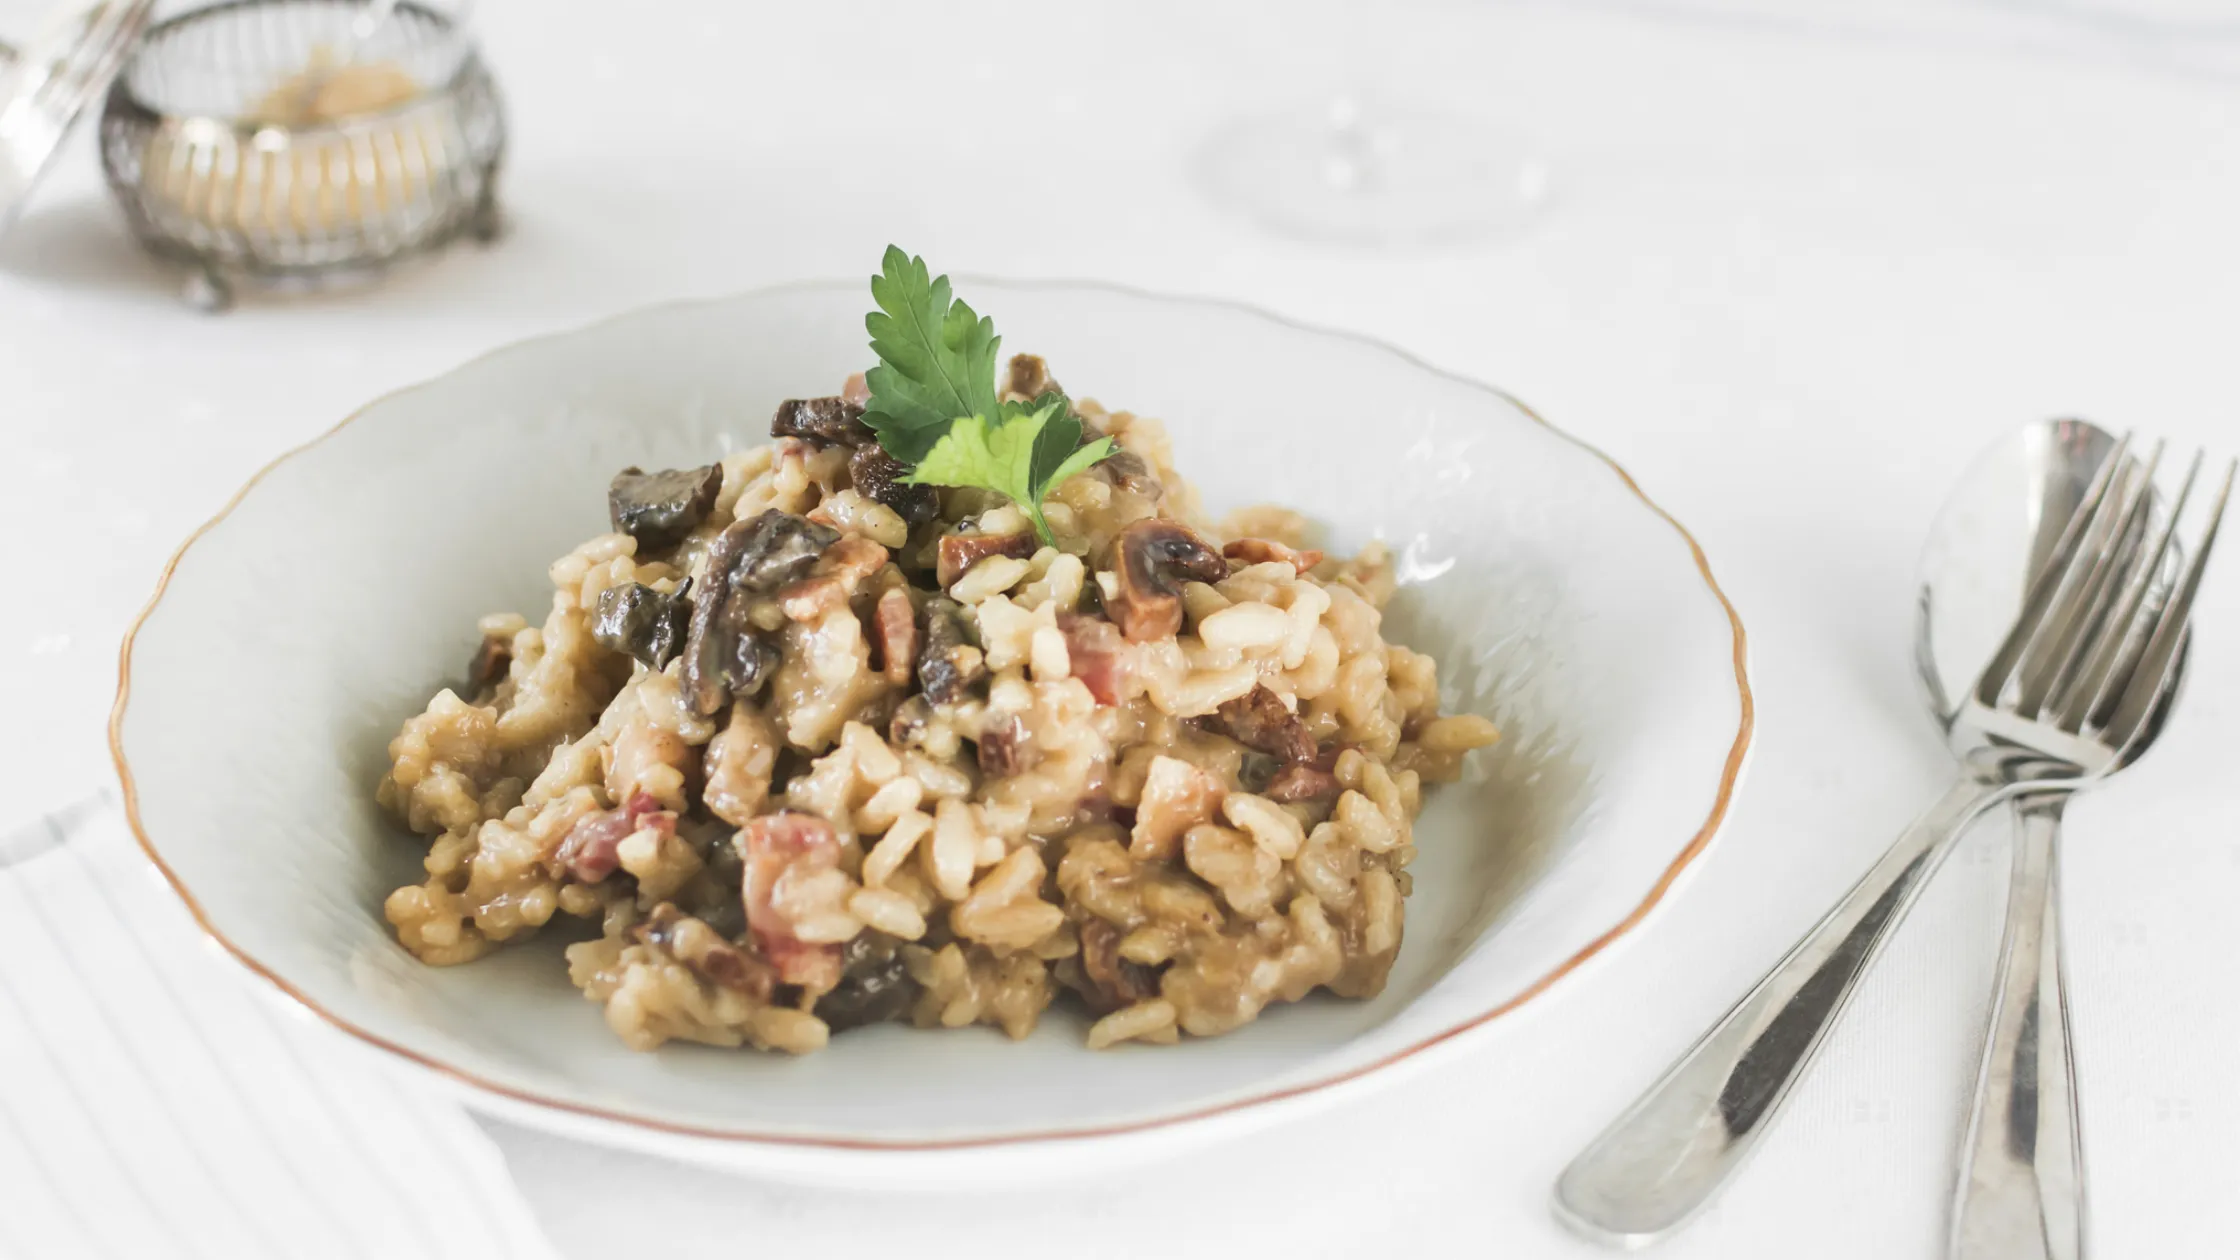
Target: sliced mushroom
{"type": "Point", "coordinates": [647, 625]}
{"type": "Point", "coordinates": [1117, 981]}
{"type": "Point", "coordinates": [1256, 770]}
{"type": "Point", "coordinates": [948, 665]}
{"type": "Point", "coordinates": [1029, 377]}
{"type": "Point", "coordinates": [907, 728]}
{"type": "Point", "coordinates": [705, 953]}
{"type": "Point", "coordinates": [659, 509]}
{"type": "Point", "coordinates": [1152, 559]}
{"type": "Point", "coordinates": [879, 476]}
{"type": "Point", "coordinates": [778, 548]}
{"type": "Point", "coordinates": [752, 663]}
{"type": "Point", "coordinates": [723, 657]}
{"type": "Point", "coordinates": [958, 552]}
{"type": "Point", "coordinates": [710, 646]}
{"type": "Point", "coordinates": [1128, 471]}
{"type": "Point", "coordinates": [825, 421]}
{"type": "Point", "coordinates": [874, 986]}
{"type": "Point", "coordinates": [1260, 720]}
{"type": "Point", "coordinates": [490, 663]}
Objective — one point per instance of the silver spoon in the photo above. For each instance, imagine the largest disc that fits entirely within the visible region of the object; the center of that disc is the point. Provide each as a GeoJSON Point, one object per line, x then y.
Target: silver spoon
{"type": "Point", "coordinates": [2083, 668]}
{"type": "Point", "coordinates": [2020, 1190]}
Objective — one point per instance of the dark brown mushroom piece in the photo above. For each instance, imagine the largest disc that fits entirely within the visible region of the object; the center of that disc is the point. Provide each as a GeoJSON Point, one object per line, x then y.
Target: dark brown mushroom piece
{"type": "Point", "coordinates": [1114, 981]}
{"type": "Point", "coordinates": [491, 661]}
{"type": "Point", "coordinates": [825, 421]}
{"type": "Point", "coordinates": [710, 646]}
{"type": "Point", "coordinates": [1261, 721]}
{"type": "Point", "coordinates": [659, 509]}
{"type": "Point", "coordinates": [1153, 558]}
{"type": "Point", "coordinates": [723, 657]}
{"type": "Point", "coordinates": [705, 953]}
{"type": "Point", "coordinates": [752, 663]}
{"type": "Point", "coordinates": [957, 553]}
{"type": "Point", "coordinates": [907, 728]}
{"type": "Point", "coordinates": [1128, 471]}
{"type": "Point", "coordinates": [647, 625]}
{"type": "Point", "coordinates": [1001, 748]}
{"type": "Point", "coordinates": [777, 548]}
{"type": "Point", "coordinates": [1255, 771]}
{"type": "Point", "coordinates": [1029, 377]}
{"type": "Point", "coordinates": [878, 476]}
{"type": "Point", "coordinates": [874, 986]}
{"type": "Point", "coordinates": [949, 664]}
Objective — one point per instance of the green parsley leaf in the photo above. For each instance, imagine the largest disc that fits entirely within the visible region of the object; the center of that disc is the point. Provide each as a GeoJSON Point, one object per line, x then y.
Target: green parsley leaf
{"type": "Point", "coordinates": [937, 359]}
{"type": "Point", "coordinates": [1028, 449]}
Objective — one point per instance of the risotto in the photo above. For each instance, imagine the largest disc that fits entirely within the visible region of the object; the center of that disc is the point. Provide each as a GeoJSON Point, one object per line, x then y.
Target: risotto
{"type": "Point", "coordinates": [806, 746]}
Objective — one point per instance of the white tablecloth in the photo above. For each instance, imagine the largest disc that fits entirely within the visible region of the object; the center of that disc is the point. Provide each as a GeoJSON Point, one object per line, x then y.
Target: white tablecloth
{"type": "Point", "coordinates": [1802, 263]}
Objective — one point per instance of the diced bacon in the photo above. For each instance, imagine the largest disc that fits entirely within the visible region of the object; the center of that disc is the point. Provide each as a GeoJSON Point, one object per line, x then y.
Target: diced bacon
{"type": "Point", "coordinates": [1293, 784]}
{"type": "Point", "coordinates": [957, 553]}
{"type": "Point", "coordinates": [897, 635]}
{"type": "Point", "coordinates": [1261, 551]}
{"type": "Point", "coordinates": [589, 850]}
{"type": "Point", "coordinates": [1001, 748]}
{"type": "Point", "coordinates": [775, 846]}
{"type": "Point", "coordinates": [1176, 797]}
{"type": "Point", "coordinates": [843, 567]}
{"type": "Point", "coordinates": [1094, 646]}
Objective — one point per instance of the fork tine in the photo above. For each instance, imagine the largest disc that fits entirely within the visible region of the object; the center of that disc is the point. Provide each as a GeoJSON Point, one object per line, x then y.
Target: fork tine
{"type": "Point", "coordinates": [2149, 678]}
{"type": "Point", "coordinates": [2055, 574]}
{"type": "Point", "coordinates": [2125, 630]}
{"type": "Point", "coordinates": [2050, 663]}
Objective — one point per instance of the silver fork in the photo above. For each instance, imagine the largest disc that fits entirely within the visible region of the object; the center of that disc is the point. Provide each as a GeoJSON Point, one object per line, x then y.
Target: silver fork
{"type": "Point", "coordinates": [2020, 1192]}
{"type": "Point", "coordinates": [2084, 679]}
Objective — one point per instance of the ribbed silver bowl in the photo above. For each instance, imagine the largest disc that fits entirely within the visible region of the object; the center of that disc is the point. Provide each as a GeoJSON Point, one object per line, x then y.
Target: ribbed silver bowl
{"type": "Point", "coordinates": [252, 142]}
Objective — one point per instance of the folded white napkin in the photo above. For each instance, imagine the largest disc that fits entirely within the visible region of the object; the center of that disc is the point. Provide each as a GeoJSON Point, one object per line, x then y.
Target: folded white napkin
{"type": "Point", "coordinates": [155, 1103]}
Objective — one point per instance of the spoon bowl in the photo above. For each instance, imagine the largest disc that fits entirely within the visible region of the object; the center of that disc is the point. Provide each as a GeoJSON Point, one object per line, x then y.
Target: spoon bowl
{"type": "Point", "coordinates": [1995, 530]}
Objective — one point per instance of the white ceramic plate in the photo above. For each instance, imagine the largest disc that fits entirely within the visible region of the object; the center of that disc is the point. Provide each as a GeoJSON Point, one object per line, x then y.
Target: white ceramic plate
{"type": "Point", "coordinates": [295, 632]}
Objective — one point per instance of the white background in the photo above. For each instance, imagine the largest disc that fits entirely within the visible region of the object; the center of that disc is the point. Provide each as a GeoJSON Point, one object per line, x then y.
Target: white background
{"type": "Point", "coordinates": [1803, 262]}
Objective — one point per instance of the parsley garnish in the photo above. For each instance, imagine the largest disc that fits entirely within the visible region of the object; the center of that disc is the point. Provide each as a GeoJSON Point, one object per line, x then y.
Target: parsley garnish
{"type": "Point", "coordinates": [933, 397]}
{"type": "Point", "coordinates": [1033, 447]}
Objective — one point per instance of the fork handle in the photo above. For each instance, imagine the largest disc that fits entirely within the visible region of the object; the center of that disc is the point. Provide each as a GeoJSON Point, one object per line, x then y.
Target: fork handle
{"type": "Point", "coordinates": [1661, 1161]}
{"type": "Point", "coordinates": [2021, 1187]}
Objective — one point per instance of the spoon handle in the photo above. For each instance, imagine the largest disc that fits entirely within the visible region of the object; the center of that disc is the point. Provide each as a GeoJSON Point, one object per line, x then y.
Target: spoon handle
{"type": "Point", "coordinates": [1662, 1160]}
{"type": "Point", "coordinates": [2021, 1188]}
